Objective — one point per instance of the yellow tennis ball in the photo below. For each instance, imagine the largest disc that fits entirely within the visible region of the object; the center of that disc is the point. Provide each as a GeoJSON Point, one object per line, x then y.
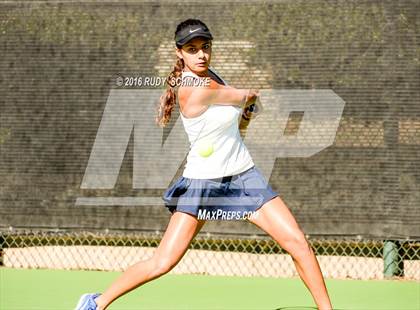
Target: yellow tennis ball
{"type": "Point", "coordinates": [206, 149]}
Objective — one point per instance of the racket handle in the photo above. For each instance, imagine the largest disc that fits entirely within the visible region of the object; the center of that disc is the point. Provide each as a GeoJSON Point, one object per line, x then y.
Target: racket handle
{"type": "Point", "coordinates": [256, 108]}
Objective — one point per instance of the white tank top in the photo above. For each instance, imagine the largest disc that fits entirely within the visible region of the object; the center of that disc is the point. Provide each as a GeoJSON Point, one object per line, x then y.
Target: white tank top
{"type": "Point", "coordinates": [216, 146]}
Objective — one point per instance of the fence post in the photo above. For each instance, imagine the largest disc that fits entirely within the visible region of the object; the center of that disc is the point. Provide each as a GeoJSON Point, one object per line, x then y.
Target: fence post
{"type": "Point", "coordinates": [2, 242]}
{"type": "Point", "coordinates": [392, 260]}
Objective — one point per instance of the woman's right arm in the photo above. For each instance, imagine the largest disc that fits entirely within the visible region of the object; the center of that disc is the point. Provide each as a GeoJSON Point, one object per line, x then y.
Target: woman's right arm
{"type": "Point", "coordinates": [224, 95]}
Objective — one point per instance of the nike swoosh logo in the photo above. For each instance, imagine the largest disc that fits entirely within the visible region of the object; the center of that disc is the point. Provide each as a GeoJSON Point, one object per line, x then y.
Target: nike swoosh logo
{"type": "Point", "coordinates": [191, 31]}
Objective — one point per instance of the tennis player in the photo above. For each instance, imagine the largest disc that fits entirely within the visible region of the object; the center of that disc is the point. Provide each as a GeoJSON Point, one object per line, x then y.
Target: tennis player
{"type": "Point", "coordinates": [220, 180]}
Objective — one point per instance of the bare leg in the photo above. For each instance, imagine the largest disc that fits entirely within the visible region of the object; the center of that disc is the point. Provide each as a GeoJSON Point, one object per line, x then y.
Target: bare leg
{"type": "Point", "coordinates": [181, 230]}
{"type": "Point", "coordinates": [276, 220]}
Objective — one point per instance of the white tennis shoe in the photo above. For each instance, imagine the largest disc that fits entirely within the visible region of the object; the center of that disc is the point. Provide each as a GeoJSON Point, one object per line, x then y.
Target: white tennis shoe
{"type": "Point", "coordinates": [87, 302]}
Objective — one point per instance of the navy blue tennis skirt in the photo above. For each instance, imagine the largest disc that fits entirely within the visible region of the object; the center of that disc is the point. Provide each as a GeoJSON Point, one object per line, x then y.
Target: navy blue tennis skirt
{"type": "Point", "coordinates": [234, 197]}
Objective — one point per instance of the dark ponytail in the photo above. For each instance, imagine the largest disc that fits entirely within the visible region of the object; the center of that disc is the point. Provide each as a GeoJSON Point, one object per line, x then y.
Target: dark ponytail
{"type": "Point", "coordinates": [168, 98]}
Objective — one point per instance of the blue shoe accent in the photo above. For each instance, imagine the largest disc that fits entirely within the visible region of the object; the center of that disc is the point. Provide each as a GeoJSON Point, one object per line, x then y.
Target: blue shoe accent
{"type": "Point", "coordinates": [87, 302]}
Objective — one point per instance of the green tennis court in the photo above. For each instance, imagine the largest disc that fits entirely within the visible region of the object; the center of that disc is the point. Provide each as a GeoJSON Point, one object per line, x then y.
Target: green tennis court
{"type": "Point", "coordinates": [60, 289]}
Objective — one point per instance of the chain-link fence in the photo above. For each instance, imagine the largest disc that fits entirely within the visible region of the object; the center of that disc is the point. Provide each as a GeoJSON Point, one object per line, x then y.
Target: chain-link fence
{"type": "Point", "coordinates": [355, 258]}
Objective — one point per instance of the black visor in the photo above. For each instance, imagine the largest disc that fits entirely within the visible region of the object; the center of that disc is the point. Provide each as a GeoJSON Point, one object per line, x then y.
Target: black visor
{"type": "Point", "coordinates": [191, 32]}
